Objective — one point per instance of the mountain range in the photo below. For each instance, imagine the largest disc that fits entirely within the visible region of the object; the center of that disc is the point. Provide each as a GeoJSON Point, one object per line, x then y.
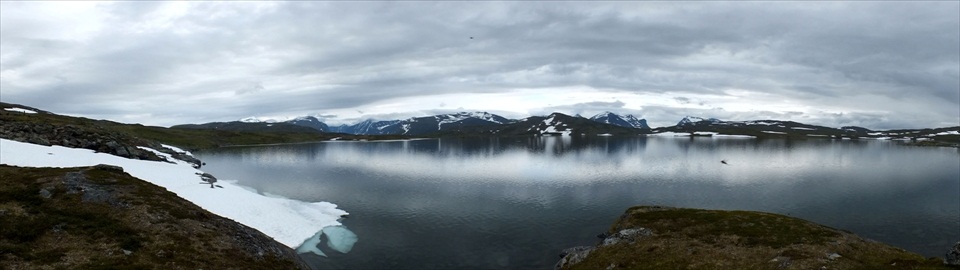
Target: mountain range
{"type": "Point", "coordinates": [455, 123]}
{"type": "Point", "coordinates": [606, 123]}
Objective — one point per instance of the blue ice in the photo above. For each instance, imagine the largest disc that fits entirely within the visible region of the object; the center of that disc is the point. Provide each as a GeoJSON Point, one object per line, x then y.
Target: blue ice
{"type": "Point", "coordinates": [338, 238]}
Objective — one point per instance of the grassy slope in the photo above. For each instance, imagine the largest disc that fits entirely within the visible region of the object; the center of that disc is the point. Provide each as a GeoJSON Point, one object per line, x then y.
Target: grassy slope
{"type": "Point", "coordinates": [94, 215]}
{"type": "Point", "coordinates": [711, 239]}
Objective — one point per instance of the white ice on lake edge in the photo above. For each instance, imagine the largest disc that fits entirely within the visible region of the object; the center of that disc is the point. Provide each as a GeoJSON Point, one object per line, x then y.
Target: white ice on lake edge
{"type": "Point", "coordinates": [289, 222]}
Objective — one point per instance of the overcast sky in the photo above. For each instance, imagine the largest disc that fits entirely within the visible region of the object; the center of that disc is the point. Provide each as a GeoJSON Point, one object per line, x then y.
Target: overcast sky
{"type": "Point", "coordinates": [879, 65]}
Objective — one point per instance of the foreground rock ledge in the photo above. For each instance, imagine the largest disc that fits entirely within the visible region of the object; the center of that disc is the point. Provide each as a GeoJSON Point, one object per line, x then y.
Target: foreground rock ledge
{"type": "Point", "coordinates": [653, 237]}
{"type": "Point", "coordinates": [102, 218]}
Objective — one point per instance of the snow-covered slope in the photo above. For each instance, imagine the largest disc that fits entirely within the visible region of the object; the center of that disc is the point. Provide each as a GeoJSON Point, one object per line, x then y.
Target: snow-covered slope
{"type": "Point", "coordinates": [554, 124]}
{"type": "Point", "coordinates": [288, 221]}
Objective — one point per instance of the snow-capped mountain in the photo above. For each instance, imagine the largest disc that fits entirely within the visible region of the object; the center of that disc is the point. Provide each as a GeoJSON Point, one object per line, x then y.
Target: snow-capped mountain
{"type": "Point", "coordinates": [423, 125]}
{"type": "Point", "coordinates": [444, 122]}
{"type": "Point", "coordinates": [310, 122]}
{"type": "Point", "coordinates": [692, 120]}
{"type": "Point", "coordinates": [365, 127]}
{"type": "Point", "coordinates": [620, 120]}
{"type": "Point", "coordinates": [553, 124]}
{"type": "Point", "coordinates": [254, 119]}
{"type": "Point", "coordinates": [756, 128]}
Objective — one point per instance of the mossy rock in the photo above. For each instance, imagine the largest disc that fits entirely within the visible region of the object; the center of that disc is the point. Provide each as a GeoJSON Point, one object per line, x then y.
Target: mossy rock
{"type": "Point", "coordinates": [713, 239]}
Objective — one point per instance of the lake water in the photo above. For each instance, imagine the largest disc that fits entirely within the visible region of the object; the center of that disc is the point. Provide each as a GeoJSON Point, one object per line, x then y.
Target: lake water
{"type": "Point", "coordinates": [516, 202]}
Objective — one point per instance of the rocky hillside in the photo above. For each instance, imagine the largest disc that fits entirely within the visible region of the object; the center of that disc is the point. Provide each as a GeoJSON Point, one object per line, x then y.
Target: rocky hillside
{"type": "Point", "coordinates": [650, 237]}
{"type": "Point", "coordinates": [102, 218]}
{"type": "Point", "coordinates": [42, 127]}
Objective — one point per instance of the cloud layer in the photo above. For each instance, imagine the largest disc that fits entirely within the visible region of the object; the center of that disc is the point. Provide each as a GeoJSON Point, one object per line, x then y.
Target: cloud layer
{"type": "Point", "coordinates": [875, 64]}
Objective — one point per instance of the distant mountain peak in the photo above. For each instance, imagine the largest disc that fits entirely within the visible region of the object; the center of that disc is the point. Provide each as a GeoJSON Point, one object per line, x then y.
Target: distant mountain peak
{"type": "Point", "coordinates": [251, 119]}
{"type": "Point", "coordinates": [690, 120]}
{"type": "Point", "coordinates": [620, 120]}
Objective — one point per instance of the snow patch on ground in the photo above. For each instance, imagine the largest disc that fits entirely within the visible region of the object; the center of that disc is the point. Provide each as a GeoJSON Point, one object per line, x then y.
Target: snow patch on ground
{"type": "Point", "coordinates": [951, 132]}
{"type": "Point", "coordinates": [803, 128]}
{"type": "Point", "coordinates": [290, 222]}
{"type": "Point", "coordinates": [19, 110]}
{"type": "Point", "coordinates": [176, 149]}
{"type": "Point", "coordinates": [773, 132]}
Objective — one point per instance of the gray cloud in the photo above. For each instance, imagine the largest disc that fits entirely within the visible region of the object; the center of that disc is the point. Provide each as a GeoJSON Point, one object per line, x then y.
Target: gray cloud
{"type": "Point", "coordinates": [883, 64]}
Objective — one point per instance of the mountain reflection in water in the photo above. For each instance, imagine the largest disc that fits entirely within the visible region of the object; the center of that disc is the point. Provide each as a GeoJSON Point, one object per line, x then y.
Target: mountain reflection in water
{"type": "Point", "coordinates": [515, 202]}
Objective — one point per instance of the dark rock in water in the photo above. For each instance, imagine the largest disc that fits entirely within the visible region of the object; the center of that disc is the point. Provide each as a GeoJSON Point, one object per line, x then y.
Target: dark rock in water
{"type": "Point", "coordinates": [573, 256]}
{"type": "Point", "coordinates": [952, 257]}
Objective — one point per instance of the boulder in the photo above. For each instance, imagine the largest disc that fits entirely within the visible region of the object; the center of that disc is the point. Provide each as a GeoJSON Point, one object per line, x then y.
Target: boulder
{"type": "Point", "coordinates": [573, 256]}
{"type": "Point", "coordinates": [952, 258]}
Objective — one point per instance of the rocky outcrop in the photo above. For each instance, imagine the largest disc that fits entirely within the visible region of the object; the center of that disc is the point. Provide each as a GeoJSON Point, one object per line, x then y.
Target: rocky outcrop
{"type": "Point", "coordinates": [90, 137]}
{"type": "Point", "coordinates": [75, 137]}
{"type": "Point", "coordinates": [653, 237]}
{"type": "Point", "coordinates": [952, 257]}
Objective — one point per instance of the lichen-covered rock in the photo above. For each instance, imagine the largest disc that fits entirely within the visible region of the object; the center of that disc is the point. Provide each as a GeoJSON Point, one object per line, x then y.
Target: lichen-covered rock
{"type": "Point", "coordinates": [952, 257]}
{"type": "Point", "coordinates": [573, 256]}
{"type": "Point", "coordinates": [626, 235]}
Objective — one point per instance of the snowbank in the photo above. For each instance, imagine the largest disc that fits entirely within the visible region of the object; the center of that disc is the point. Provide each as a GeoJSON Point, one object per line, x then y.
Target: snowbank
{"type": "Point", "coordinates": [19, 110]}
{"type": "Point", "coordinates": [290, 222]}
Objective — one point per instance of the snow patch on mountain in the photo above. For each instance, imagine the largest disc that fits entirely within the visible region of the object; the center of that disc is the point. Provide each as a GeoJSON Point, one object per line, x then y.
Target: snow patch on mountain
{"type": "Point", "coordinates": [620, 120]}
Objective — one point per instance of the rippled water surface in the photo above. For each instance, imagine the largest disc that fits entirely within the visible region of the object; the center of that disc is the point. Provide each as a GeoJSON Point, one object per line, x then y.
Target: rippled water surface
{"type": "Point", "coordinates": [516, 202]}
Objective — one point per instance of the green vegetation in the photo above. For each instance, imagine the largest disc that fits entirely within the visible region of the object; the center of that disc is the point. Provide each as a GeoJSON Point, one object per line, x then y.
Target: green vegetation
{"type": "Point", "coordinates": [712, 239]}
{"type": "Point", "coordinates": [93, 218]}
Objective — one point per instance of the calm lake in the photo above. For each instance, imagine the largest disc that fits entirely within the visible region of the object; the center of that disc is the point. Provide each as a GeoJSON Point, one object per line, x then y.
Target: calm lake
{"type": "Point", "coordinates": [516, 202]}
